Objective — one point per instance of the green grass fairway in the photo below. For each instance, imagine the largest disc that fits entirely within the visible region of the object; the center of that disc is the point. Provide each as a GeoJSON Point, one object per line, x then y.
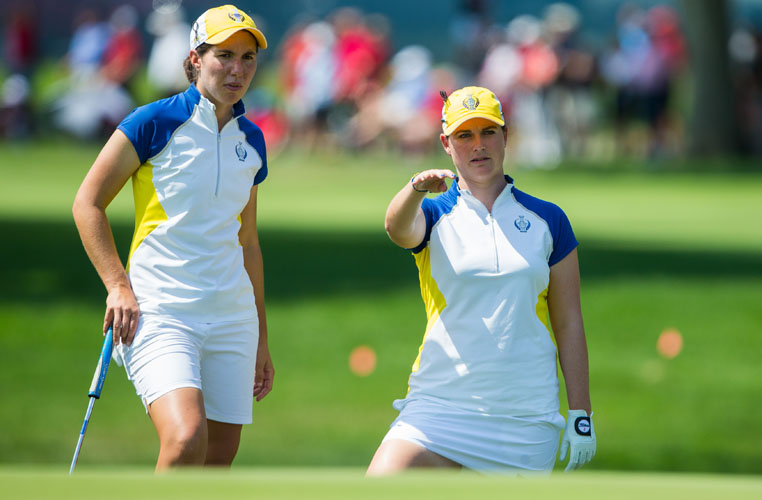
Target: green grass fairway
{"type": "Point", "coordinates": [334, 484]}
{"type": "Point", "coordinates": [659, 249]}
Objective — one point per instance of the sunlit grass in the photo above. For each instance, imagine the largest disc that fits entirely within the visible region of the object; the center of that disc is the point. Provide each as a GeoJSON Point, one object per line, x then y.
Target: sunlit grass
{"type": "Point", "coordinates": [331, 483]}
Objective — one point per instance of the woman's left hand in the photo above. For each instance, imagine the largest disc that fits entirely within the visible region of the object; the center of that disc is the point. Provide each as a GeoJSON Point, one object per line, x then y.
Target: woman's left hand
{"type": "Point", "coordinates": [264, 374]}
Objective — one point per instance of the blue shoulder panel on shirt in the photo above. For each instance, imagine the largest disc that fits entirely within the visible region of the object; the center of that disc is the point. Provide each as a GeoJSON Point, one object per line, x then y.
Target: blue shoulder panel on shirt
{"type": "Point", "coordinates": [256, 138]}
{"type": "Point", "coordinates": [150, 127]}
{"type": "Point", "coordinates": [560, 227]}
{"type": "Point", "coordinates": [435, 208]}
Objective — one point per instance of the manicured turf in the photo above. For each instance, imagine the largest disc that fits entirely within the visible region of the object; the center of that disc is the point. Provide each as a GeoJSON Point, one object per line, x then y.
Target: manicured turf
{"type": "Point", "coordinates": [331, 483]}
{"type": "Point", "coordinates": [658, 250]}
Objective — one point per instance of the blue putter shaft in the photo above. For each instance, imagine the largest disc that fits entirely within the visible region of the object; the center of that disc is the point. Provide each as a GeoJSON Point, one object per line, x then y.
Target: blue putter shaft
{"type": "Point", "coordinates": [95, 390]}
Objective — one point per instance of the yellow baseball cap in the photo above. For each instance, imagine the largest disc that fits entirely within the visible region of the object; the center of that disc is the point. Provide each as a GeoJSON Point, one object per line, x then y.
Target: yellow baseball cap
{"type": "Point", "coordinates": [217, 24]}
{"type": "Point", "coordinates": [467, 103]}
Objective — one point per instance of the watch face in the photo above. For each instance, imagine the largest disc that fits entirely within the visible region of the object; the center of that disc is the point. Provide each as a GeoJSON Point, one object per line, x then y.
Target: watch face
{"type": "Point", "coordinates": [582, 426]}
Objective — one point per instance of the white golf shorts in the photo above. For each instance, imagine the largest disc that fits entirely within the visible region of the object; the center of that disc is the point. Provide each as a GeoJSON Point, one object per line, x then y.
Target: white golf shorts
{"type": "Point", "coordinates": [217, 358]}
{"type": "Point", "coordinates": [485, 443]}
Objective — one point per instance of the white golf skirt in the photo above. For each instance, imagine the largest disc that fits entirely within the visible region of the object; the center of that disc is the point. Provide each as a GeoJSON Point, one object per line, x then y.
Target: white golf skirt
{"type": "Point", "coordinates": [485, 443]}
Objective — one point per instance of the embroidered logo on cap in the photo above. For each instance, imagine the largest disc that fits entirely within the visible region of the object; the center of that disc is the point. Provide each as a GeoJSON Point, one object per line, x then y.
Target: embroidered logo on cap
{"type": "Point", "coordinates": [471, 102]}
{"type": "Point", "coordinates": [235, 16]}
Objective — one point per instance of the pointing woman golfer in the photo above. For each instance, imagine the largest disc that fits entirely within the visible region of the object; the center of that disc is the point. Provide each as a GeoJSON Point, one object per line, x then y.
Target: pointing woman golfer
{"type": "Point", "coordinates": [493, 261]}
{"type": "Point", "coordinates": [188, 312]}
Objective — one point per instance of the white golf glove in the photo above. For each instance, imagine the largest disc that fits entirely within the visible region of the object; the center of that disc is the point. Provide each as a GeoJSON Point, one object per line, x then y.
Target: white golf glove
{"type": "Point", "coordinates": [579, 435]}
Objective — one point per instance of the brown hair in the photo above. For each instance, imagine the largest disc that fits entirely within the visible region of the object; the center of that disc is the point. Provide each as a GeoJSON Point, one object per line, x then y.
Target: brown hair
{"type": "Point", "coordinates": [190, 71]}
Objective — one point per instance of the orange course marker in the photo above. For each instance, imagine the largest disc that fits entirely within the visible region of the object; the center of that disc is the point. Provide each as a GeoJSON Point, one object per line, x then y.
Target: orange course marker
{"type": "Point", "coordinates": [362, 360]}
{"type": "Point", "coordinates": [670, 343]}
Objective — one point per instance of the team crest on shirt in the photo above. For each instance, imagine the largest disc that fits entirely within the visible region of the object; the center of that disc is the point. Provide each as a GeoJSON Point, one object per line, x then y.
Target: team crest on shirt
{"type": "Point", "coordinates": [471, 102]}
{"type": "Point", "coordinates": [522, 224]}
{"type": "Point", "coordinates": [241, 151]}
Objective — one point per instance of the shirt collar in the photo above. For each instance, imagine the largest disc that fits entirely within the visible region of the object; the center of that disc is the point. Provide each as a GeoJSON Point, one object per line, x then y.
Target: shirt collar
{"type": "Point", "coordinates": [456, 189]}
{"type": "Point", "coordinates": [472, 201]}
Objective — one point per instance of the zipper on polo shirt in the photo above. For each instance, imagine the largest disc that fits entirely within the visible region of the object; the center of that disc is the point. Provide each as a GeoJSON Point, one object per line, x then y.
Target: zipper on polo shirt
{"type": "Point", "coordinates": [491, 220]}
{"type": "Point", "coordinates": [217, 183]}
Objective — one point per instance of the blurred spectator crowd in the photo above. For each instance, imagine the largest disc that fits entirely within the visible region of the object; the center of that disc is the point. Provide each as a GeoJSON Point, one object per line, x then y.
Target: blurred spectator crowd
{"type": "Point", "coordinates": [339, 81]}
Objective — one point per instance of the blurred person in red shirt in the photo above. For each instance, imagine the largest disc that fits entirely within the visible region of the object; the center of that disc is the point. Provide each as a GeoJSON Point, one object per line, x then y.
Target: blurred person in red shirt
{"type": "Point", "coordinates": [124, 52]}
{"type": "Point", "coordinates": [360, 52]}
{"type": "Point", "coordinates": [307, 74]}
{"type": "Point", "coordinates": [20, 41]}
{"type": "Point", "coordinates": [20, 52]}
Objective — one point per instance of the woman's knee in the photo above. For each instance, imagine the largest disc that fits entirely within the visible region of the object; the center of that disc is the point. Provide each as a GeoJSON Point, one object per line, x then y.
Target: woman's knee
{"type": "Point", "coordinates": [395, 455]}
{"type": "Point", "coordinates": [185, 443]}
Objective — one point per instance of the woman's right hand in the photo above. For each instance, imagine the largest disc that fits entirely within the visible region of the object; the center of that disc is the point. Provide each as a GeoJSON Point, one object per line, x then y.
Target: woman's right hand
{"type": "Point", "coordinates": [432, 180]}
{"type": "Point", "coordinates": [122, 313]}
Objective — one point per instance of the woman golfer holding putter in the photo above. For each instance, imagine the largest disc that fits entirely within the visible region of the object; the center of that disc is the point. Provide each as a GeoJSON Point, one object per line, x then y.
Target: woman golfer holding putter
{"type": "Point", "coordinates": [188, 313]}
{"type": "Point", "coordinates": [494, 263]}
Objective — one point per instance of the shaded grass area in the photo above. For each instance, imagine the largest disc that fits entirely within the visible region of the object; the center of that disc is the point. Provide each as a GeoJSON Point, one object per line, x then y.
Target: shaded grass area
{"type": "Point", "coordinates": [45, 261]}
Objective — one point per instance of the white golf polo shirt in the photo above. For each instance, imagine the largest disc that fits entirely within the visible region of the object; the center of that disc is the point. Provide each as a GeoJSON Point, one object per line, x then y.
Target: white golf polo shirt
{"type": "Point", "coordinates": [193, 182]}
{"type": "Point", "coordinates": [484, 281]}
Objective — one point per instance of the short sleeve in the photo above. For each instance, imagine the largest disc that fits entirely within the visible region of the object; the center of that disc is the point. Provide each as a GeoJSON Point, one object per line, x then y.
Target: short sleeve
{"type": "Point", "coordinates": [256, 139]}
{"type": "Point", "coordinates": [149, 128]}
{"type": "Point", "coordinates": [139, 131]}
{"type": "Point", "coordinates": [564, 240]}
{"type": "Point", "coordinates": [434, 209]}
{"type": "Point", "coordinates": [559, 226]}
